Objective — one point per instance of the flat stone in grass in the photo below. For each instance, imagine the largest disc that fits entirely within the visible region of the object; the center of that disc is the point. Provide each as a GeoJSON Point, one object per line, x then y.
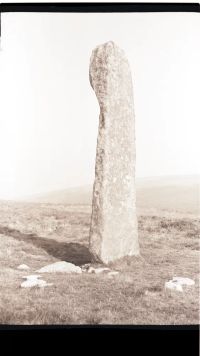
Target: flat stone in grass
{"type": "Point", "coordinates": [23, 267]}
{"type": "Point", "coordinates": [98, 270]}
{"type": "Point", "coordinates": [32, 276]}
{"type": "Point", "coordinates": [61, 266]}
{"type": "Point", "coordinates": [184, 281]}
{"type": "Point", "coordinates": [177, 283]}
{"type": "Point", "coordinates": [33, 281]}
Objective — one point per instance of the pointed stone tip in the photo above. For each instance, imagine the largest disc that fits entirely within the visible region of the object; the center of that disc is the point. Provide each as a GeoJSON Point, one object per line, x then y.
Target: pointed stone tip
{"type": "Point", "coordinates": [110, 44]}
{"type": "Point", "coordinates": [106, 46]}
{"type": "Point", "coordinates": [106, 55]}
{"type": "Point", "coordinates": [106, 49]}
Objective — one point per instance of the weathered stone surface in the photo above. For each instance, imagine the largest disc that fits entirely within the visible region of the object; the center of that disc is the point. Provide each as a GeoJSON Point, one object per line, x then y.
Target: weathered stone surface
{"type": "Point", "coordinates": [113, 232]}
{"type": "Point", "coordinates": [60, 266]}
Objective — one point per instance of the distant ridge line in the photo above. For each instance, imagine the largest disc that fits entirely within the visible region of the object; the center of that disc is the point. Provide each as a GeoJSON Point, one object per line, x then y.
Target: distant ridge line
{"type": "Point", "coordinates": [169, 193]}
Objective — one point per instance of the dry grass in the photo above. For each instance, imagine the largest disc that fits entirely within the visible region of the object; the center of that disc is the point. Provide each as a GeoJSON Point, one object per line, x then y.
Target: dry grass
{"type": "Point", "coordinates": [38, 234]}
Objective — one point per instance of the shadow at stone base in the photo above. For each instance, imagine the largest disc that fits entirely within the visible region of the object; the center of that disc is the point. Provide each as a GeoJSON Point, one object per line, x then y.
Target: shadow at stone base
{"type": "Point", "coordinates": [70, 252]}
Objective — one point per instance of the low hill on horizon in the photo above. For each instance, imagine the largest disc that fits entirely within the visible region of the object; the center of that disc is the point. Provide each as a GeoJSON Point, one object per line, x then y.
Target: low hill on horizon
{"type": "Point", "coordinates": [180, 193]}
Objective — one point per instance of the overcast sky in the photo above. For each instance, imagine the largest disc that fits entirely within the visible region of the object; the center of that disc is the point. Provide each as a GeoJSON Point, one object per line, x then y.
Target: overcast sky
{"type": "Point", "coordinates": [49, 112]}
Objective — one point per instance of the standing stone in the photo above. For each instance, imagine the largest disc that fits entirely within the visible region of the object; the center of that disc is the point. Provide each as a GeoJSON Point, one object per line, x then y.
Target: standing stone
{"type": "Point", "coordinates": [113, 231]}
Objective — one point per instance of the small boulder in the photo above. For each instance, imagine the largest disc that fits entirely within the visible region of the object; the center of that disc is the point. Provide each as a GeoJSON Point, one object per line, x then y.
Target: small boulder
{"type": "Point", "coordinates": [23, 267]}
{"type": "Point", "coordinates": [61, 266]}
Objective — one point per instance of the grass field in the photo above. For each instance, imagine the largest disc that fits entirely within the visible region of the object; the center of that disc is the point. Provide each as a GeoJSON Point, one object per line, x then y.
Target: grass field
{"type": "Point", "coordinates": [38, 234]}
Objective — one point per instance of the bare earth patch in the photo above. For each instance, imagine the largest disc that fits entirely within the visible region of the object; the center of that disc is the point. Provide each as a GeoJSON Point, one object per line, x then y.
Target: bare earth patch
{"type": "Point", "coordinates": [40, 234]}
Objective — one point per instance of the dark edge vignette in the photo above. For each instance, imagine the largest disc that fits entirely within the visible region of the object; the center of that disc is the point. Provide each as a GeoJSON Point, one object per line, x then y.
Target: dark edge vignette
{"type": "Point", "coordinates": [174, 340]}
{"type": "Point", "coordinates": [86, 7]}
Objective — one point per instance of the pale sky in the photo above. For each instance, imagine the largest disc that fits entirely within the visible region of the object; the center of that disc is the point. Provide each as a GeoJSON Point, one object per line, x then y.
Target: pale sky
{"type": "Point", "coordinates": [49, 112]}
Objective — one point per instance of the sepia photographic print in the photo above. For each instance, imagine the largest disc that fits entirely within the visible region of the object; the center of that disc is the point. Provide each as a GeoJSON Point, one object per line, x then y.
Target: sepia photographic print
{"type": "Point", "coordinates": [99, 168]}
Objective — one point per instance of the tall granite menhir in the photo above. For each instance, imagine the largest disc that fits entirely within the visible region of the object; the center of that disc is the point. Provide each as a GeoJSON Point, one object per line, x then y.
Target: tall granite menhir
{"type": "Point", "coordinates": [113, 231]}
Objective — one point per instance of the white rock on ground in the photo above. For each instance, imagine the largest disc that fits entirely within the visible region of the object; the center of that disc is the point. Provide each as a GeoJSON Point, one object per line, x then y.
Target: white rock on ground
{"type": "Point", "coordinates": [85, 267]}
{"type": "Point", "coordinates": [98, 270]}
{"type": "Point", "coordinates": [23, 267]}
{"type": "Point", "coordinates": [177, 282]}
{"type": "Point", "coordinates": [174, 286]}
{"type": "Point", "coordinates": [60, 266]}
{"type": "Point", "coordinates": [32, 276]}
{"type": "Point", "coordinates": [33, 281]}
{"type": "Point", "coordinates": [184, 281]}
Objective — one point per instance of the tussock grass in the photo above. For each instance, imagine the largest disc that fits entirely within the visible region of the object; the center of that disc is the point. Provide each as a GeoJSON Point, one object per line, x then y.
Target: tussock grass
{"type": "Point", "coordinates": [38, 234]}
